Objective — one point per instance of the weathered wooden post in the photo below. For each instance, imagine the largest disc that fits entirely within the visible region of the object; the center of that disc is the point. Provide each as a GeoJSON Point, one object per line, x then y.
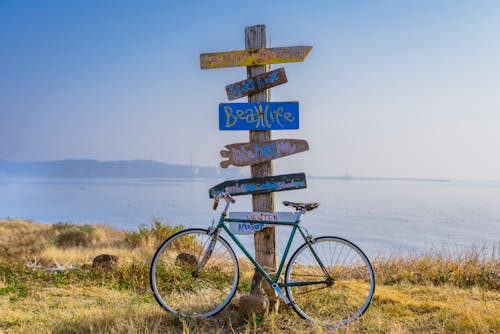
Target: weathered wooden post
{"type": "Point", "coordinates": [265, 240]}
{"type": "Point", "coordinates": [259, 116]}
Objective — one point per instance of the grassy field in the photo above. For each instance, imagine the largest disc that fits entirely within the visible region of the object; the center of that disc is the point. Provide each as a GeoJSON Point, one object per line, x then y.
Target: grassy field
{"type": "Point", "coordinates": [433, 293]}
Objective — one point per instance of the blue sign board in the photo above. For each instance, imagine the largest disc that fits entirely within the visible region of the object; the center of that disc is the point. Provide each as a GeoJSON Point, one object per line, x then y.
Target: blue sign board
{"type": "Point", "coordinates": [260, 185]}
{"type": "Point", "coordinates": [259, 116]}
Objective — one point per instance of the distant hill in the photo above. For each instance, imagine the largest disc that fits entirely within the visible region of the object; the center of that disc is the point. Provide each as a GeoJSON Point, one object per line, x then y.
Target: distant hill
{"type": "Point", "coordinates": [125, 169]}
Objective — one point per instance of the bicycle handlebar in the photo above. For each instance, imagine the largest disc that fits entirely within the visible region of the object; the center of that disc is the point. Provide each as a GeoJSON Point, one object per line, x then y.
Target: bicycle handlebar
{"type": "Point", "coordinates": [226, 196]}
{"type": "Point", "coordinates": [229, 198]}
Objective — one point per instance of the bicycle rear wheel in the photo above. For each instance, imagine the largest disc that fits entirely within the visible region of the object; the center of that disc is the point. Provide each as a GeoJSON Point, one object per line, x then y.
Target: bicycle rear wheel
{"type": "Point", "coordinates": [181, 291]}
{"type": "Point", "coordinates": [335, 302]}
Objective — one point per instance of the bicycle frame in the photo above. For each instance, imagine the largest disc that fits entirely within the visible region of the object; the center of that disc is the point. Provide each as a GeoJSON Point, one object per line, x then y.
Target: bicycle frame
{"type": "Point", "coordinates": [274, 282]}
{"type": "Point", "coordinates": [194, 261]}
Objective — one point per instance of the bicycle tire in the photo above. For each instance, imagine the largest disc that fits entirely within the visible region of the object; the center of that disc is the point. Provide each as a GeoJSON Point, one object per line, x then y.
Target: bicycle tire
{"type": "Point", "coordinates": [348, 295]}
{"type": "Point", "coordinates": [183, 293]}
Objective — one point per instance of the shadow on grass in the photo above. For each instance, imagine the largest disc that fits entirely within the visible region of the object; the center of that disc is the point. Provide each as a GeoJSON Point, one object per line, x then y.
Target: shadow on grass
{"type": "Point", "coordinates": [157, 321]}
{"type": "Point", "coordinates": [150, 322]}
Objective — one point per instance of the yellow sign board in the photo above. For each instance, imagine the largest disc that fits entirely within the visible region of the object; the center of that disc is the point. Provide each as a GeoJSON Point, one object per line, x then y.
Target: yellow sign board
{"type": "Point", "coordinates": [254, 57]}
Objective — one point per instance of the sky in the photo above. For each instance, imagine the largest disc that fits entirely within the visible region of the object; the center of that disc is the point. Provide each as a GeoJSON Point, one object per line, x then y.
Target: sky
{"type": "Point", "coordinates": [390, 88]}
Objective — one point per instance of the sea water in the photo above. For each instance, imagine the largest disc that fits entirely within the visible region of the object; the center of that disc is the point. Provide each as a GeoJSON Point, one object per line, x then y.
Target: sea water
{"type": "Point", "coordinates": [382, 217]}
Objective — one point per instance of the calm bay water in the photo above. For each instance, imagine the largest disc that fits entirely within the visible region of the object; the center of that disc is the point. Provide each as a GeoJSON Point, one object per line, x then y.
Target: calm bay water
{"type": "Point", "coordinates": [382, 217]}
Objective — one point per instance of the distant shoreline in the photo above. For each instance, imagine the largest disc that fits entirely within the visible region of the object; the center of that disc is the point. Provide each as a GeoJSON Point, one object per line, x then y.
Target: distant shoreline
{"type": "Point", "coordinates": [361, 178]}
{"type": "Point", "coordinates": [87, 168]}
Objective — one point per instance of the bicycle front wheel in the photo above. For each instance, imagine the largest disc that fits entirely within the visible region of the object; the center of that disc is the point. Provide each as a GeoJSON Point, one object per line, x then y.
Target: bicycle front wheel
{"type": "Point", "coordinates": [334, 301]}
{"type": "Point", "coordinates": [183, 290]}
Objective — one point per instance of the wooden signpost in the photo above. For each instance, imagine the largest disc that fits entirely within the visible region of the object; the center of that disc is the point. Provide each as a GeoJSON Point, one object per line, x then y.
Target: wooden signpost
{"type": "Point", "coordinates": [246, 154]}
{"type": "Point", "coordinates": [256, 84]}
{"type": "Point", "coordinates": [259, 116]}
{"type": "Point", "coordinates": [254, 57]}
{"type": "Point", "coordinates": [260, 185]}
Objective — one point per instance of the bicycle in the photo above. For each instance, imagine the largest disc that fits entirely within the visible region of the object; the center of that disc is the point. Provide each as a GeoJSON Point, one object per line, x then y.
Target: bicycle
{"type": "Point", "coordinates": [328, 280]}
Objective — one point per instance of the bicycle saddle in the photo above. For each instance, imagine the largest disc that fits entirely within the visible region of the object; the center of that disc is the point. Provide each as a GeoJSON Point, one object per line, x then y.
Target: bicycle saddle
{"type": "Point", "coordinates": [300, 206]}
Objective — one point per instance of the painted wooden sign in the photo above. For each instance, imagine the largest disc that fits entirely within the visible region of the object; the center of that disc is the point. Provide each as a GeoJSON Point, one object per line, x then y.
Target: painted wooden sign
{"type": "Point", "coordinates": [259, 116]}
{"type": "Point", "coordinates": [256, 84]}
{"type": "Point", "coordinates": [246, 154]}
{"type": "Point", "coordinates": [250, 228]}
{"type": "Point", "coordinates": [260, 185]}
{"type": "Point", "coordinates": [254, 57]}
{"type": "Point", "coordinates": [246, 228]}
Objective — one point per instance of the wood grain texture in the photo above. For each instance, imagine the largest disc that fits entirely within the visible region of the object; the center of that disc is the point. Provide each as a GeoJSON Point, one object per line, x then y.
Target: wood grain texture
{"type": "Point", "coordinates": [264, 241]}
{"type": "Point", "coordinates": [254, 57]}
{"type": "Point", "coordinates": [256, 84]}
{"type": "Point", "coordinates": [246, 154]}
{"type": "Point", "coordinates": [260, 185]}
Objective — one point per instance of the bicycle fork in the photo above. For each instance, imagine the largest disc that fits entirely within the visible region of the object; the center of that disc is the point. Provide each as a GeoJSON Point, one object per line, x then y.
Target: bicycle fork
{"type": "Point", "coordinates": [208, 252]}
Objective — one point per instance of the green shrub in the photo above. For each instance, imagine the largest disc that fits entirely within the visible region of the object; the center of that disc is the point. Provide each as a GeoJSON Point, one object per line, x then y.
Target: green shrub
{"type": "Point", "coordinates": [71, 235]}
{"type": "Point", "coordinates": [155, 233]}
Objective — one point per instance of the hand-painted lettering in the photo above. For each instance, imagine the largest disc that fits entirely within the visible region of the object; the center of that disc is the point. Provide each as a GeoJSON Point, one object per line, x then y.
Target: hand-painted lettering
{"type": "Point", "coordinates": [259, 116]}
{"type": "Point", "coordinates": [254, 57]}
{"type": "Point", "coordinates": [244, 154]}
{"type": "Point", "coordinates": [256, 84]}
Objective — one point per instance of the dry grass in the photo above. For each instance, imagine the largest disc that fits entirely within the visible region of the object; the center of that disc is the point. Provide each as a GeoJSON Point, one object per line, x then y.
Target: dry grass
{"type": "Point", "coordinates": [477, 266]}
{"type": "Point", "coordinates": [433, 293]}
{"type": "Point", "coordinates": [49, 306]}
{"type": "Point", "coordinates": [20, 238]}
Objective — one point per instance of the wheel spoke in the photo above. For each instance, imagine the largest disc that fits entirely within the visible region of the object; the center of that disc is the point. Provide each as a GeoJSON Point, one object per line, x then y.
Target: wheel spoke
{"type": "Point", "coordinates": [180, 291]}
{"type": "Point", "coordinates": [345, 296]}
{"type": "Point", "coordinates": [309, 291]}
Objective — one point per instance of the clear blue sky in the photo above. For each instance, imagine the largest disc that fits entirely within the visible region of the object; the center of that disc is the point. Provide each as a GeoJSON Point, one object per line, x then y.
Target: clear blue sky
{"type": "Point", "coordinates": [391, 88]}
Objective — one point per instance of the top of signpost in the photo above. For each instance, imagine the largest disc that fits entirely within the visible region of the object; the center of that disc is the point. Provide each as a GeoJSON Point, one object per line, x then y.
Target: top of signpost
{"type": "Point", "coordinates": [254, 57]}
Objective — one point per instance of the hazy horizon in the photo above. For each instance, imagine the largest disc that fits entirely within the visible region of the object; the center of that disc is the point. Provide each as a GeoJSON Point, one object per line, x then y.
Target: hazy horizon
{"type": "Point", "coordinates": [390, 88]}
{"type": "Point", "coordinates": [246, 173]}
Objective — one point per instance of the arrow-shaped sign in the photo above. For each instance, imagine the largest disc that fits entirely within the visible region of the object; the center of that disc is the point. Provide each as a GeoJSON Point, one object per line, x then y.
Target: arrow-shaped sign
{"type": "Point", "coordinates": [260, 185]}
{"type": "Point", "coordinates": [246, 154]}
{"type": "Point", "coordinates": [254, 57]}
{"type": "Point", "coordinates": [256, 84]}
